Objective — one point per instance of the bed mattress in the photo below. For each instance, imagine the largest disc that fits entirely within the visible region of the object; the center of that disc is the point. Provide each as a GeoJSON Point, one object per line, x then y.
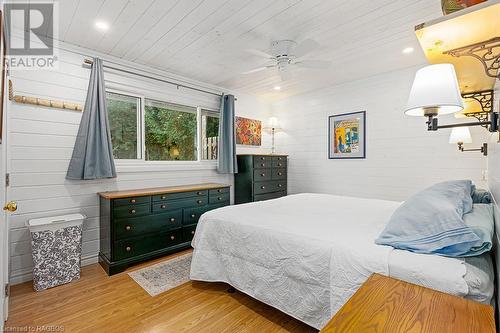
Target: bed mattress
{"type": "Point", "coordinates": [306, 254]}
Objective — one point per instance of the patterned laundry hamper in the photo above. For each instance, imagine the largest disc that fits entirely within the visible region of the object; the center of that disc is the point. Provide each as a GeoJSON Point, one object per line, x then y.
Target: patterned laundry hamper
{"type": "Point", "coordinates": [56, 244]}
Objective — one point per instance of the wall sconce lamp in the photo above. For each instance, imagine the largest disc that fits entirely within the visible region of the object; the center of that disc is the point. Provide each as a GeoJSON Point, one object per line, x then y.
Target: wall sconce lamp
{"type": "Point", "coordinates": [273, 126]}
{"type": "Point", "coordinates": [461, 135]}
{"type": "Point", "coordinates": [435, 92]}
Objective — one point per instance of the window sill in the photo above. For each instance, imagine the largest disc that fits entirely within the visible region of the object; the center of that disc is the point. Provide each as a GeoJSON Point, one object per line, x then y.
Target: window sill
{"type": "Point", "coordinates": [143, 166]}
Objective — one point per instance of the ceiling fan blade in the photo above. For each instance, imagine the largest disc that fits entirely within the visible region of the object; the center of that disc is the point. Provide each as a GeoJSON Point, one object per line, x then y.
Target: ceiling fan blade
{"type": "Point", "coordinates": [305, 47]}
{"type": "Point", "coordinates": [313, 64]}
{"type": "Point", "coordinates": [258, 69]}
{"type": "Point", "coordinates": [260, 53]}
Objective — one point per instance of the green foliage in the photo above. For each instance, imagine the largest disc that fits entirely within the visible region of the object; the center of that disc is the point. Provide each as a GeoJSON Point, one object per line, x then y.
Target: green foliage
{"type": "Point", "coordinates": [170, 135]}
{"type": "Point", "coordinates": [212, 127]}
{"type": "Point", "coordinates": [122, 117]}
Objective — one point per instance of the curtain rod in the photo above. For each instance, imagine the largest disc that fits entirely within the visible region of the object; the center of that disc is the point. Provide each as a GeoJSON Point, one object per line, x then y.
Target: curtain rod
{"type": "Point", "coordinates": [90, 62]}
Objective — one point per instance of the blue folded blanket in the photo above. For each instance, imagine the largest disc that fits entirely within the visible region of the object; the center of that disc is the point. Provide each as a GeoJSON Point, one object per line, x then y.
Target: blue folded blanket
{"type": "Point", "coordinates": [432, 222]}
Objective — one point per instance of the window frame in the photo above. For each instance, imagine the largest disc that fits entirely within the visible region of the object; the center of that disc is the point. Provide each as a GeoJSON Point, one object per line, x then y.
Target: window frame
{"type": "Point", "coordinates": [136, 164]}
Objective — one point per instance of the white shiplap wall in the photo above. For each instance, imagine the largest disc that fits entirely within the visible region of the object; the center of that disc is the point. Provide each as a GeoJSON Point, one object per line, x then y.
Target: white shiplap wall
{"type": "Point", "coordinates": [40, 143]}
{"type": "Point", "coordinates": [401, 156]}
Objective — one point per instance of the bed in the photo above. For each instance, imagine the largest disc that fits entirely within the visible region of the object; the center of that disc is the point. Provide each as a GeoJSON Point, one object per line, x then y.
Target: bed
{"type": "Point", "coordinates": [306, 254]}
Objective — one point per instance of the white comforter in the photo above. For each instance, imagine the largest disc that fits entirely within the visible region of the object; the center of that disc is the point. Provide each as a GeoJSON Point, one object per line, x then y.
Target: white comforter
{"type": "Point", "coordinates": [306, 254]}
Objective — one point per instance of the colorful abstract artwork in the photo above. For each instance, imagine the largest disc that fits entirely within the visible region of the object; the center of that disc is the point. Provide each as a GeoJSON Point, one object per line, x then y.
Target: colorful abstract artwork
{"type": "Point", "coordinates": [347, 135]}
{"type": "Point", "coordinates": [248, 132]}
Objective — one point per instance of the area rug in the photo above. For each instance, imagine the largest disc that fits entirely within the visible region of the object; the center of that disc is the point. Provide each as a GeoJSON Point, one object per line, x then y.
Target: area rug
{"type": "Point", "coordinates": [163, 276]}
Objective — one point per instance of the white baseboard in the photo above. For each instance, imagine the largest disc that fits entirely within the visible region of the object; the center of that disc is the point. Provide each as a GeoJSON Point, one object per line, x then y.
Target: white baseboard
{"type": "Point", "coordinates": [25, 276]}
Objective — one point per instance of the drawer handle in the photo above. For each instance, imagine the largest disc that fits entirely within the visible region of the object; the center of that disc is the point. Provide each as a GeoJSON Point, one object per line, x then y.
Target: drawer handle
{"type": "Point", "coordinates": [163, 206]}
{"type": "Point", "coordinates": [262, 174]}
{"type": "Point", "coordinates": [163, 197]}
{"type": "Point", "coordinates": [172, 219]}
{"type": "Point", "coordinates": [128, 248]}
{"type": "Point", "coordinates": [132, 211]}
{"type": "Point", "coordinates": [262, 158]}
{"type": "Point", "coordinates": [132, 200]}
{"type": "Point", "coordinates": [172, 237]}
{"type": "Point", "coordinates": [219, 190]}
{"type": "Point", "coordinates": [279, 158]}
{"type": "Point", "coordinates": [192, 232]}
{"type": "Point", "coordinates": [263, 187]}
{"type": "Point", "coordinates": [279, 164]}
{"type": "Point", "coordinates": [199, 201]}
{"type": "Point", "coordinates": [279, 185]}
{"type": "Point", "coordinates": [219, 198]}
{"type": "Point", "coordinates": [279, 173]}
{"type": "Point", "coordinates": [128, 227]}
{"type": "Point", "coordinates": [199, 193]}
{"type": "Point", "coordinates": [262, 164]}
{"type": "Point", "coordinates": [193, 216]}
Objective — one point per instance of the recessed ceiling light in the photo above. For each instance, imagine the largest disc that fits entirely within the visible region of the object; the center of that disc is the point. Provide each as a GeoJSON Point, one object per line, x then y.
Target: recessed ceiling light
{"type": "Point", "coordinates": [408, 50]}
{"type": "Point", "coordinates": [277, 88]}
{"type": "Point", "coordinates": [101, 25]}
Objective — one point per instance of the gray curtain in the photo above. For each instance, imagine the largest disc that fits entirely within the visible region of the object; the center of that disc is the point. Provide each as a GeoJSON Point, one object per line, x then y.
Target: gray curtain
{"type": "Point", "coordinates": [226, 162]}
{"type": "Point", "coordinates": [93, 154]}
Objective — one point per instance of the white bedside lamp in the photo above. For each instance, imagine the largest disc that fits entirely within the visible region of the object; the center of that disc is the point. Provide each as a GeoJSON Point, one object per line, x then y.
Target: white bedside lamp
{"type": "Point", "coordinates": [273, 126]}
{"type": "Point", "coordinates": [434, 92]}
{"type": "Point", "coordinates": [461, 135]}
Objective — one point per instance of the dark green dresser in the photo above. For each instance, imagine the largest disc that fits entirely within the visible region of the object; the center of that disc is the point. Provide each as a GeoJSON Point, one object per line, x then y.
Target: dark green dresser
{"type": "Point", "coordinates": [260, 177]}
{"type": "Point", "coordinates": [138, 225]}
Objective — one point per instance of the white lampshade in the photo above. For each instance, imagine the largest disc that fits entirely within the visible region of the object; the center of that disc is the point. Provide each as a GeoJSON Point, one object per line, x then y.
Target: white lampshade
{"type": "Point", "coordinates": [460, 134]}
{"type": "Point", "coordinates": [435, 87]}
{"type": "Point", "coordinates": [273, 122]}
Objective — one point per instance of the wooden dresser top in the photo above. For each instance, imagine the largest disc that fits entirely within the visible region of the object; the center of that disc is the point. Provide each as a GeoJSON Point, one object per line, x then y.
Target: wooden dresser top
{"type": "Point", "coordinates": [384, 304]}
{"type": "Point", "coordinates": [160, 190]}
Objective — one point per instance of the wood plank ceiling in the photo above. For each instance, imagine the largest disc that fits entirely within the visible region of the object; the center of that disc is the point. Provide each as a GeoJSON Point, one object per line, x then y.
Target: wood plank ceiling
{"type": "Point", "coordinates": [207, 39]}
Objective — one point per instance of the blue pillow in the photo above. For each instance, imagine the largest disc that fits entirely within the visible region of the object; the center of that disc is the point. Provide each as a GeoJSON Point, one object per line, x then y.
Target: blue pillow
{"type": "Point", "coordinates": [431, 221]}
{"type": "Point", "coordinates": [481, 196]}
{"type": "Point", "coordinates": [482, 222]}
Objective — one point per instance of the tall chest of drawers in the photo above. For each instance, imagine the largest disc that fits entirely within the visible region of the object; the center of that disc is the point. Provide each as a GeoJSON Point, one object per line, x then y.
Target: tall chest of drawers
{"type": "Point", "coordinates": [138, 225]}
{"type": "Point", "coordinates": [260, 177]}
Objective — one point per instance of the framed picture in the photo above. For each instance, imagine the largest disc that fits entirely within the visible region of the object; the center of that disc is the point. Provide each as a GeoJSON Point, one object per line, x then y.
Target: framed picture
{"type": "Point", "coordinates": [248, 132]}
{"type": "Point", "coordinates": [347, 135]}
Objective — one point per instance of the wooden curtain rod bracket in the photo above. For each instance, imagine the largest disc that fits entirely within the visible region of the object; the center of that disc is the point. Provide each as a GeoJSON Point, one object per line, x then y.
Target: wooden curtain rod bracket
{"type": "Point", "coordinates": [42, 102]}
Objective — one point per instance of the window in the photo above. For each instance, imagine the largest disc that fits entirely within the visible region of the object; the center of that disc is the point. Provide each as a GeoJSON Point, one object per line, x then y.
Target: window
{"type": "Point", "coordinates": [124, 115]}
{"type": "Point", "coordinates": [170, 132]}
{"type": "Point", "coordinates": [209, 134]}
{"type": "Point", "coordinates": [145, 129]}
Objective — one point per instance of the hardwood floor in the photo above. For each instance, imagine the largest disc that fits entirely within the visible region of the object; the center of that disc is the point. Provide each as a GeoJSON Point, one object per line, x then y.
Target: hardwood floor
{"type": "Point", "coordinates": [99, 303]}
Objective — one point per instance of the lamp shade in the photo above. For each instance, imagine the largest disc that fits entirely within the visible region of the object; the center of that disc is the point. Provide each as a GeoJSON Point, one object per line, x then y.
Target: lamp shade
{"type": "Point", "coordinates": [460, 134]}
{"type": "Point", "coordinates": [273, 122]}
{"type": "Point", "coordinates": [435, 91]}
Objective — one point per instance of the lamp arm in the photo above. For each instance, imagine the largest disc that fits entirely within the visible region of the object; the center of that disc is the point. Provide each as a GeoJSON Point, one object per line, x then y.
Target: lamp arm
{"type": "Point", "coordinates": [432, 123]}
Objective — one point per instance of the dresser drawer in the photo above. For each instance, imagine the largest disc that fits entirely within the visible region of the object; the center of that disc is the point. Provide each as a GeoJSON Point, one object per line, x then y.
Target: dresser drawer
{"type": "Point", "coordinates": [263, 187]}
{"type": "Point", "coordinates": [278, 174]}
{"type": "Point", "coordinates": [262, 174]}
{"type": "Point", "coordinates": [192, 215]}
{"type": "Point", "coordinates": [279, 162]}
{"type": "Point", "coordinates": [218, 191]}
{"type": "Point", "coordinates": [279, 185]}
{"type": "Point", "coordinates": [131, 210]}
{"type": "Point", "coordinates": [137, 226]}
{"type": "Point", "coordinates": [181, 195]}
{"type": "Point", "coordinates": [132, 201]}
{"type": "Point", "coordinates": [218, 198]}
{"type": "Point", "coordinates": [162, 206]}
{"type": "Point", "coordinates": [268, 196]}
{"type": "Point", "coordinates": [218, 205]}
{"type": "Point", "coordinates": [132, 247]}
{"type": "Point", "coordinates": [188, 233]}
{"type": "Point", "coordinates": [261, 162]}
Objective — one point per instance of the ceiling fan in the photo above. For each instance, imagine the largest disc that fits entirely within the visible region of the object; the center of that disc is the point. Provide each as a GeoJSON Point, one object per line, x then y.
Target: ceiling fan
{"type": "Point", "coordinates": [285, 56]}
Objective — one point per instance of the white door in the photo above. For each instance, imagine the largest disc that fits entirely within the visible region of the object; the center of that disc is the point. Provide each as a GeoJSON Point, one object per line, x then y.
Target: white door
{"type": "Point", "coordinates": [4, 230]}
